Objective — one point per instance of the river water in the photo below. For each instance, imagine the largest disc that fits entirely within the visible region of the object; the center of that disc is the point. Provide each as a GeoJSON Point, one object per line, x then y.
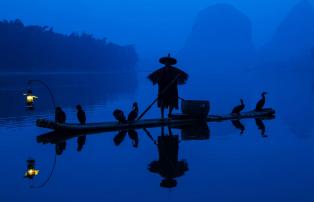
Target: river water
{"type": "Point", "coordinates": [222, 164]}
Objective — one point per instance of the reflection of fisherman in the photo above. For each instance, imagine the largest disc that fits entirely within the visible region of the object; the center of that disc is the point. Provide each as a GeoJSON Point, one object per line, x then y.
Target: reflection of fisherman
{"type": "Point", "coordinates": [168, 78]}
{"type": "Point", "coordinates": [168, 165]}
{"type": "Point", "coordinates": [30, 98]}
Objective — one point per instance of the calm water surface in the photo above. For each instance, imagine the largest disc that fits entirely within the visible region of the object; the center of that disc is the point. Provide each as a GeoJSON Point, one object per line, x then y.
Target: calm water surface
{"type": "Point", "coordinates": [226, 166]}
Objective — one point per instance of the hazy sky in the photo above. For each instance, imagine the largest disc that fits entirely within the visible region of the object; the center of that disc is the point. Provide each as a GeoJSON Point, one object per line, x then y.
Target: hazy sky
{"type": "Point", "coordinates": [155, 26]}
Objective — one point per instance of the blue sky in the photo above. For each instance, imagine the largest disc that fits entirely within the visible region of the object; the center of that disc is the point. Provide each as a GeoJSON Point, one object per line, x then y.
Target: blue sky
{"type": "Point", "coordinates": [153, 26]}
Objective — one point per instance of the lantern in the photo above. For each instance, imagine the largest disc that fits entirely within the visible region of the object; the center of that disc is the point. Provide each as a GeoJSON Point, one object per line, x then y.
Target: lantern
{"type": "Point", "coordinates": [30, 98]}
{"type": "Point", "coordinates": [31, 171]}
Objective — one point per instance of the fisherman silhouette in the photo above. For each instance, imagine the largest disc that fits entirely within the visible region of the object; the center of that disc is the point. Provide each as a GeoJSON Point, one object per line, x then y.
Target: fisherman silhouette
{"type": "Point", "coordinates": [60, 116]}
{"type": "Point", "coordinates": [168, 166]}
{"type": "Point", "coordinates": [168, 78]}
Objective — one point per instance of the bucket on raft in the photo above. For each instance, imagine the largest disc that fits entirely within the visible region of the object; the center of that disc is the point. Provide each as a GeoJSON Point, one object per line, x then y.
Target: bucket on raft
{"type": "Point", "coordinates": [195, 108]}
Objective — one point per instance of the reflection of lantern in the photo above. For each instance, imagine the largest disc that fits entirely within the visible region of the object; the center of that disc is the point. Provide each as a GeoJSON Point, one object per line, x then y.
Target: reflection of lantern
{"type": "Point", "coordinates": [31, 171]}
{"type": "Point", "coordinates": [30, 98]}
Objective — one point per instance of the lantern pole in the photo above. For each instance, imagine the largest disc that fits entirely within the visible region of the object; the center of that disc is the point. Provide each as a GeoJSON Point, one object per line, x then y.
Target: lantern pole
{"type": "Point", "coordinates": [47, 87]}
{"type": "Point", "coordinates": [54, 105]}
{"type": "Point", "coordinates": [50, 175]}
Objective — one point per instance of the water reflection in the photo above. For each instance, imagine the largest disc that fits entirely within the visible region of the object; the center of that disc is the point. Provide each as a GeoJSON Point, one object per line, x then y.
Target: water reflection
{"type": "Point", "coordinates": [261, 126]}
{"type": "Point", "coordinates": [168, 165]}
{"type": "Point", "coordinates": [60, 147]}
{"type": "Point", "coordinates": [133, 135]}
{"type": "Point", "coordinates": [196, 131]}
{"type": "Point", "coordinates": [238, 125]}
{"type": "Point", "coordinates": [118, 139]}
{"type": "Point", "coordinates": [81, 142]}
{"type": "Point", "coordinates": [31, 172]}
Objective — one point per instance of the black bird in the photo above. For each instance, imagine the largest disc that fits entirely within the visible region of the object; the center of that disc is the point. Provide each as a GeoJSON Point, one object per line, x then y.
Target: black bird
{"type": "Point", "coordinates": [239, 108]}
{"type": "Point", "coordinates": [60, 116]}
{"type": "Point", "coordinates": [134, 113]}
{"type": "Point", "coordinates": [119, 115]}
{"type": "Point", "coordinates": [260, 104]}
{"type": "Point", "coordinates": [81, 116]}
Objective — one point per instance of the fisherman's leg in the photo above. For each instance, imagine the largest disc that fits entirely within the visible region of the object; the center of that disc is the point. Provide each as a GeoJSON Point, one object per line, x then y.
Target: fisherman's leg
{"type": "Point", "coordinates": [170, 111]}
{"type": "Point", "coordinates": [162, 110]}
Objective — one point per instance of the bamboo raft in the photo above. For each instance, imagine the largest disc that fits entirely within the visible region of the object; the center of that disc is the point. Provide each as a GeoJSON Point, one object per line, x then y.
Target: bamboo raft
{"type": "Point", "coordinates": [176, 121]}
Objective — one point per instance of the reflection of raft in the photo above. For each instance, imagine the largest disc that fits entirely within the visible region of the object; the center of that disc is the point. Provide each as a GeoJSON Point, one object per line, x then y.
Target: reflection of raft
{"type": "Point", "coordinates": [177, 121]}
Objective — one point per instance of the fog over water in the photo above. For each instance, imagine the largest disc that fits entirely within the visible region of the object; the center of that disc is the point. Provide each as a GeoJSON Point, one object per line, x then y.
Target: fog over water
{"type": "Point", "coordinates": [155, 27]}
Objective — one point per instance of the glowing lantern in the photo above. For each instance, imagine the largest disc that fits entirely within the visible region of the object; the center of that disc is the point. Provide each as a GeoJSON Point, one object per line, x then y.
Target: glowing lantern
{"type": "Point", "coordinates": [31, 171]}
{"type": "Point", "coordinates": [30, 98]}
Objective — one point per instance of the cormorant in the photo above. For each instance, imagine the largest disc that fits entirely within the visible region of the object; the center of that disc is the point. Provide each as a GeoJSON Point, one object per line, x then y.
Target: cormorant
{"type": "Point", "coordinates": [60, 116]}
{"type": "Point", "coordinates": [260, 104]}
{"type": "Point", "coordinates": [81, 116]}
{"type": "Point", "coordinates": [119, 115]}
{"type": "Point", "coordinates": [134, 113]}
{"type": "Point", "coordinates": [239, 108]}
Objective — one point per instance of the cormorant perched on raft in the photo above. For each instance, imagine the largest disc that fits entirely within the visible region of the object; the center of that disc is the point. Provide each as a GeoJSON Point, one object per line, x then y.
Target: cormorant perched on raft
{"type": "Point", "coordinates": [239, 108]}
{"type": "Point", "coordinates": [81, 116]}
{"type": "Point", "coordinates": [260, 104]}
{"type": "Point", "coordinates": [134, 113]}
{"type": "Point", "coordinates": [119, 115]}
{"type": "Point", "coordinates": [60, 116]}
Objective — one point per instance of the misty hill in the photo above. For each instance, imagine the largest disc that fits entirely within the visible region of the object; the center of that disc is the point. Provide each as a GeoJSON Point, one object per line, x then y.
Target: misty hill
{"type": "Point", "coordinates": [221, 38]}
{"type": "Point", "coordinates": [292, 42]}
{"type": "Point", "coordinates": [39, 48]}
